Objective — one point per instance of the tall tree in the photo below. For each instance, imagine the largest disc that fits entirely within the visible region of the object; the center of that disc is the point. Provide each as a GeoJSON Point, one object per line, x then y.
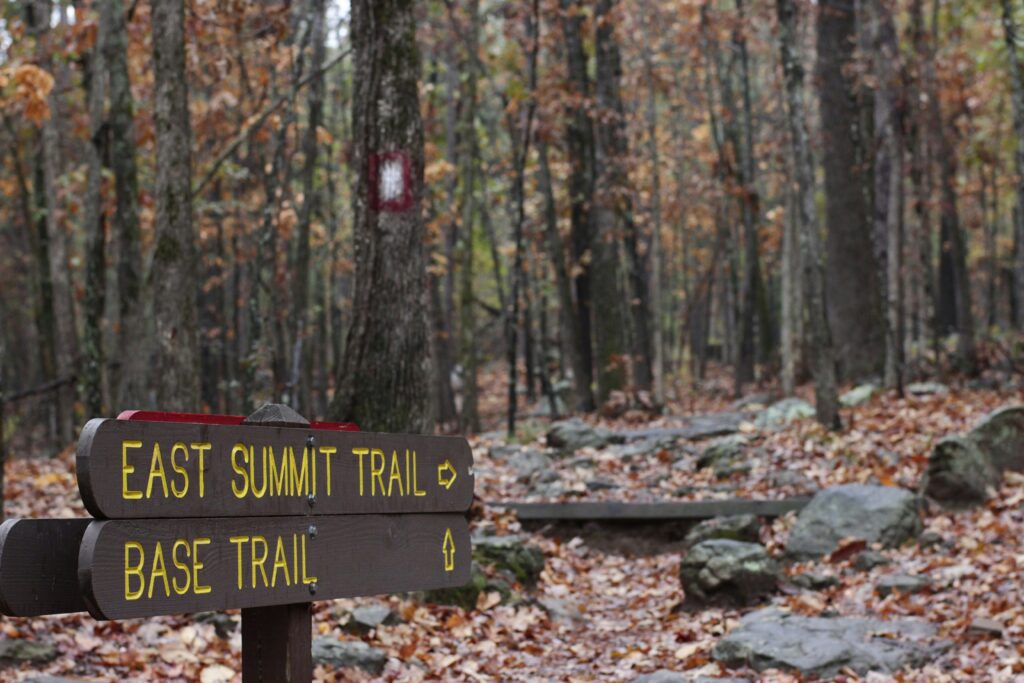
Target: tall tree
{"type": "Point", "coordinates": [854, 295]}
{"type": "Point", "coordinates": [827, 403]}
{"type": "Point", "coordinates": [173, 277]}
{"type": "Point", "coordinates": [1017, 92]}
{"type": "Point", "coordinates": [383, 384]}
{"type": "Point", "coordinates": [580, 148]}
{"type": "Point", "coordinates": [133, 330]}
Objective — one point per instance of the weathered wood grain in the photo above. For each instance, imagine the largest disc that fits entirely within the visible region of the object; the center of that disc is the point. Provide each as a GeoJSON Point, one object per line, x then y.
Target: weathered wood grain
{"type": "Point", "coordinates": [139, 469]}
{"type": "Point", "coordinates": [38, 566]}
{"type": "Point", "coordinates": [345, 556]}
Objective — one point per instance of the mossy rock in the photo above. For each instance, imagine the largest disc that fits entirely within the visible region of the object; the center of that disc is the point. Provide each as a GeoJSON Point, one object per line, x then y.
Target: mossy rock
{"type": "Point", "coordinates": [959, 473]}
{"type": "Point", "coordinates": [522, 561]}
{"type": "Point", "coordinates": [731, 527]}
{"type": "Point", "coordinates": [466, 596]}
{"type": "Point", "coordinates": [1000, 436]}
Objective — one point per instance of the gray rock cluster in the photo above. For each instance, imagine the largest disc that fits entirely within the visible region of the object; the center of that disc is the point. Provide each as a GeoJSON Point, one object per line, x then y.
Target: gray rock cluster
{"type": "Point", "coordinates": [964, 469]}
{"type": "Point", "coordinates": [573, 434]}
{"type": "Point", "coordinates": [822, 646]}
{"type": "Point", "coordinates": [722, 571]}
{"type": "Point", "coordinates": [876, 514]}
{"type": "Point", "coordinates": [343, 654]}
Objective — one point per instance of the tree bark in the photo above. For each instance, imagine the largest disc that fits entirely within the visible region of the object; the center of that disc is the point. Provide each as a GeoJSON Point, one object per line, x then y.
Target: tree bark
{"type": "Point", "coordinates": [384, 382]}
{"type": "Point", "coordinates": [1017, 91]}
{"type": "Point", "coordinates": [580, 142]}
{"type": "Point", "coordinates": [827, 403]}
{"type": "Point", "coordinates": [854, 295]}
{"type": "Point", "coordinates": [173, 278]}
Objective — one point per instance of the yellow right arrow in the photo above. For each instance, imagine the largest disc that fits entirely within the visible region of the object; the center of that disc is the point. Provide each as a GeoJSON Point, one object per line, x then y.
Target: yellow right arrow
{"type": "Point", "coordinates": [444, 467]}
{"type": "Point", "coordinates": [448, 548]}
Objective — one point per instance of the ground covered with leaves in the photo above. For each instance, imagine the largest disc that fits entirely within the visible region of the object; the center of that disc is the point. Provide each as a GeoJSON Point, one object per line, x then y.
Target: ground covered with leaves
{"type": "Point", "coordinates": [612, 611]}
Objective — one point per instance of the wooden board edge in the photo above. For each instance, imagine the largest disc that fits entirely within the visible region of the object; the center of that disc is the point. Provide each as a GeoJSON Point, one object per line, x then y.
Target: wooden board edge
{"type": "Point", "coordinates": [82, 471]}
{"type": "Point", "coordinates": [5, 530]}
{"type": "Point", "coordinates": [85, 561]}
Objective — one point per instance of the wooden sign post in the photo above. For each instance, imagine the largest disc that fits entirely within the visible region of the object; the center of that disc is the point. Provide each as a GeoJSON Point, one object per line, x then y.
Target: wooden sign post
{"type": "Point", "coordinates": [266, 514]}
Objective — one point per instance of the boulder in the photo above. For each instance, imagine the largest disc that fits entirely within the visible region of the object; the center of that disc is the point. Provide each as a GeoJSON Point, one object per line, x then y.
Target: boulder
{"type": "Point", "coordinates": [822, 646]}
{"type": "Point", "coordinates": [781, 413]}
{"type": "Point", "coordinates": [959, 473]}
{"type": "Point", "coordinates": [901, 583]}
{"type": "Point", "coordinates": [723, 452]}
{"type": "Point", "coordinates": [927, 389]}
{"type": "Point", "coordinates": [343, 654]}
{"type": "Point", "coordinates": [732, 527]}
{"type": "Point", "coordinates": [466, 595]}
{"type": "Point", "coordinates": [561, 611]}
{"type": "Point", "coordinates": [1000, 436]}
{"type": "Point", "coordinates": [869, 559]}
{"type": "Point", "coordinates": [720, 571]}
{"type": "Point", "coordinates": [814, 581]}
{"type": "Point", "coordinates": [18, 651]}
{"type": "Point", "coordinates": [527, 462]}
{"type": "Point", "coordinates": [573, 434]}
{"type": "Point", "coordinates": [510, 554]}
{"type": "Point", "coordinates": [876, 514]}
{"type": "Point", "coordinates": [858, 395]}
{"type": "Point", "coordinates": [364, 618]}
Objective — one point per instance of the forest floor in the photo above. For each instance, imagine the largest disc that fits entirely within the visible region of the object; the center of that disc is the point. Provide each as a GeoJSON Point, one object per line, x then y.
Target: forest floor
{"type": "Point", "coordinates": [622, 615]}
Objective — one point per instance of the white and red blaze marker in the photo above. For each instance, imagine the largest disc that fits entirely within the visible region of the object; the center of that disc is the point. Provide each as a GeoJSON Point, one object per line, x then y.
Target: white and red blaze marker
{"type": "Point", "coordinates": [390, 181]}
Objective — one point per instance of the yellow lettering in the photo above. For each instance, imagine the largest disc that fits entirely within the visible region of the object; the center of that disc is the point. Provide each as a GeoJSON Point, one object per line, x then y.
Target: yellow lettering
{"type": "Point", "coordinates": [178, 564]}
{"type": "Point", "coordinates": [126, 469]}
{"type": "Point", "coordinates": [278, 475]}
{"type": "Point", "coordinates": [136, 570]}
{"type": "Point", "coordinates": [328, 451]}
{"type": "Point", "coordinates": [258, 492]}
{"type": "Point", "coordinates": [376, 474]}
{"type": "Point", "coordinates": [198, 588]}
{"type": "Point", "coordinates": [280, 562]}
{"type": "Point", "coordinates": [408, 472]}
{"type": "Point", "coordinates": [178, 469]}
{"type": "Point", "coordinates": [239, 491]}
{"type": "Point", "coordinates": [238, 541]}
{"type": "Point", "coordinates": [416, 491]}
{"type": "Point", "coordinates": [156, 469]}
{"type": "Point", "coordinates": [202, 447]}
{"type": "Point", "coordinates": [360, 452]}
{"type": "Point", "coordinates": [299, 484]}
{"type": "Point", "coordinates": [305, 579]}
{"type": "Point", "coordinates": [158, 569]}
{"type": "Point", "coordinates": [260, 560]}
{"type": "Point", "coordinates": [295, 558]}
{"type": "Point", "coordinates": [312, 458]}
{"type": "Point", "coordinates": [396, 474]}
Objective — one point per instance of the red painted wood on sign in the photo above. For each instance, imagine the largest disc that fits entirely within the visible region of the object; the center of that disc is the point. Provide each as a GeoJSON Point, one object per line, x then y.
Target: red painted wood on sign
{"type": "Point", "coordinates": [211, 419]}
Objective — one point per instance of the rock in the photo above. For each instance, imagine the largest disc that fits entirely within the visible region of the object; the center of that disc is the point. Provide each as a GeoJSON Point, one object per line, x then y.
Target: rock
{"type": "Point", "coordinates": [876, 514]}
{"type": "Point", "coordinates": [561, 611]}
{"type": "Point", "coordinates": [722, 451]}
{"type": "Point", "coordinates": [223, 624]}
{"type": "Point", "coordinates": [573, 434]}
{"type": "Point", "coordinates": [858, 395]}
{"type": "Point", "coordinates": [466, 595]}
{"type": "Point", "coordinates": [721, 571]}
{"type": "Point", "coordinates": [814, 581]}
{"type": "Point", "coordinates": [931, 539]}
{"type": "Point", "coordinates": [18, 650]}
{"type": "Point", "coordinates": [781, 413]}
{"type": "Point", "coordinates": [927, 389]}
{"type": "Point", "coordinates": [901, 583]}
{"type": "Point", "coordinates": [1000, 436]}
{"type": "Point", "coordinates": [798, 480]}
{"type": "Point", "coordinates": [661, 676]}
{"type": "Point", "coordinates": [643, 448]}
{"type": "Point", "coordinates": [869, 559]}
{"type": "Point", "coordinates": [985, 627]}
{"type": "Point", "coordinates": [343, 654]}
{"type": "Point", "coordinates": [528, 462]}
{"type": "Point", "coordinates": [367, 617]}
{"type": "Point", "coordinates": [959, 474]}
{"type": "Point", "coordinates": [753, 401]}
{"type": "Point", "coordinates": [732, 527]}
{"type": "Point", "coordinates": [511, 554]}
{"type": "Point", "coordinates": [693, 427]}
{"type": "Point", "coordinates": [822, 646]}
{"type": "Point", "coordinates": [601, 484]}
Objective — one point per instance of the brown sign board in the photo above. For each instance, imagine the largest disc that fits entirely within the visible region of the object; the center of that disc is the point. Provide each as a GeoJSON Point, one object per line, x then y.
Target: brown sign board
{"type": "Point", "coordinates": [142, 568]}
{"type": "Point", "coordinates": [134, 469]}
{"type": "Point", "coordinates": [39, 566]}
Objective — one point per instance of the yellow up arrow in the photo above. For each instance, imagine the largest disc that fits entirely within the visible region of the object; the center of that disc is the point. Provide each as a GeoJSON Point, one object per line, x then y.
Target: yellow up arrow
{"type": "Point", "coordinates": [448, 548]}
{"type": "Point", "coordinates": [441, 469]}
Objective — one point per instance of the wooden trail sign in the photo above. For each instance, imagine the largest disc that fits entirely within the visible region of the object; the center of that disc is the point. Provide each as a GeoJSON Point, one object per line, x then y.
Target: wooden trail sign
{"type": "Point", "coordinates": [265, 513]}
{"type": "Point", "coordinates": [143, 568]}
{"type": "Point", "coordinates": [145, 469]}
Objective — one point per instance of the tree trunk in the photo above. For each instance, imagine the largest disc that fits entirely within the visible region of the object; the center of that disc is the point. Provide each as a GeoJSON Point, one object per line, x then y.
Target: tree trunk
{"type": "Point", "coordinates": [854, 298]}
{"type": "Point", "coordinates": [173, 278]}
{"type": "Point", "coordinates": [384, 382]}
{"type": "Point", "coordinates": [95, 228]}
{"type": "Point", "coordinates": [580, 142]}
{"type": "Point", "coordinates": [827, 408]}
{"type": "Point", "coordinates": [301, 375]}
{"type": "Point", "coordinates": [1017, 92]}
